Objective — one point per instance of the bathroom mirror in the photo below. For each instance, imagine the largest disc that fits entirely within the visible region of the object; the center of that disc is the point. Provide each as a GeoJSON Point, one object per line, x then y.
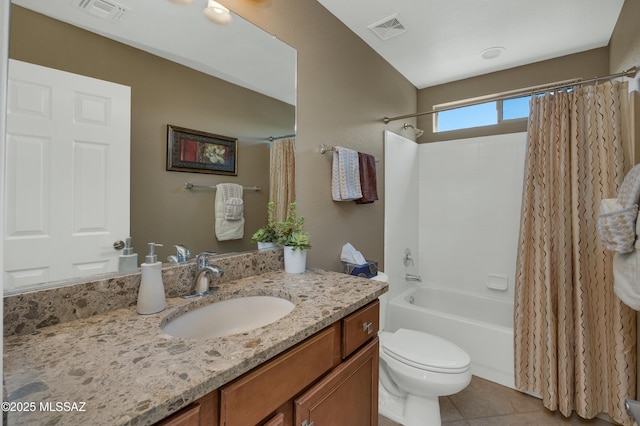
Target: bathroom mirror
{"type": "Point", "coordinates": [234, 80]}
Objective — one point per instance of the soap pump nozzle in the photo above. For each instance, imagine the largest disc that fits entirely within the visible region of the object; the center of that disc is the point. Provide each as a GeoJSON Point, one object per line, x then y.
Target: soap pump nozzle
{"type": "Point", "coordinates": [152, 257]}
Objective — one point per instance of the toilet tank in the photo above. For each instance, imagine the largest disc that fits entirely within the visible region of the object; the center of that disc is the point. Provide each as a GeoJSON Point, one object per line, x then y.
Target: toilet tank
{"type": "Point", "coordinates": [384, 300]}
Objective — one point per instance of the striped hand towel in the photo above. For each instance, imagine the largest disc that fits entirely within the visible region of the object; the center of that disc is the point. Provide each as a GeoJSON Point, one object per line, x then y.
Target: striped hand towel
{"type": "Point", "coordinates": [345, 177]}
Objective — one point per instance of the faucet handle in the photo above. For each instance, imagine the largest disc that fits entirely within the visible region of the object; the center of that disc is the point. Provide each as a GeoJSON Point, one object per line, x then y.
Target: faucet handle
{"type": "Point", "coordinates": [182, 253]}
{"type": "Point", "coordinates": [202, 259]}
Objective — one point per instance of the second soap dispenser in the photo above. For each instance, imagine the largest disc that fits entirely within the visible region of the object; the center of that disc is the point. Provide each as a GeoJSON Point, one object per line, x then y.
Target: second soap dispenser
{"type": "Point", "coordinates": [151, 297]}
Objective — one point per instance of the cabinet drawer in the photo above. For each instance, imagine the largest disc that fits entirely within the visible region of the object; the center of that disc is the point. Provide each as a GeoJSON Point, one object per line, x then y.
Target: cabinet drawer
{"type": "Point", "coordinates": [359, 327]}
{"type": "Point", "coordinates": [258, 394]}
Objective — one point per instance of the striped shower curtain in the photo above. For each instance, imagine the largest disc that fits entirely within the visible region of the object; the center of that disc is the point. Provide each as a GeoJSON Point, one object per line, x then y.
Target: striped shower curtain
{"type": "Point", "coordinates": [282, 189]}
{"type": "Point", "coordinates": [575, 341]}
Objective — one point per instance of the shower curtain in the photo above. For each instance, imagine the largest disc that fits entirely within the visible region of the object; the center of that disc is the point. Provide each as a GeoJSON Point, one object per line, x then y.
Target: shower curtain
{"type": "Point", "coordinates": [282, 190]}
{"type": "Point", "coordinates": [575, 341]}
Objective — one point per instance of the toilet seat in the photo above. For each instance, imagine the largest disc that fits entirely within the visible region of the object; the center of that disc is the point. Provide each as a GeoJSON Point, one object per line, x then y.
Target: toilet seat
{"type": "Point", "coordinates": [425, 352]}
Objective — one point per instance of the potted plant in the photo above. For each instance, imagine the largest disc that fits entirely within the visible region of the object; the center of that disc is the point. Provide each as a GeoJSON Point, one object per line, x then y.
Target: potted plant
{"type": "Point", "coordinates": [267, 236]}
{"type": "Point", "coordinates": [295, 241]}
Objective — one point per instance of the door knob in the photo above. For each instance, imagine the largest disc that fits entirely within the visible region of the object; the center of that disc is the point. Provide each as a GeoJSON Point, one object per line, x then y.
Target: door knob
{"type": "Point", "coordinates": [118, 245]}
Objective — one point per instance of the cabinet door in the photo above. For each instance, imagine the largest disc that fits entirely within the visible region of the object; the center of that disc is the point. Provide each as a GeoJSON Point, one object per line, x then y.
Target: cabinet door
{"type": "Point", "coordinates": [189, 416]}
{"type": "Point", "coordinates": [255, 396]}
{"type": "Point", "coordinates": [348, 396]}
{"type": "Point", "coordinates": [277, 420]}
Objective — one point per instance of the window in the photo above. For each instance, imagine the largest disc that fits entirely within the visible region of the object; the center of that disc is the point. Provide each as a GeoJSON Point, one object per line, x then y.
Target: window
{"type": "Point", "coordinates": [513, 109]}
{"type": "Point", "coordinates": [484, 114]}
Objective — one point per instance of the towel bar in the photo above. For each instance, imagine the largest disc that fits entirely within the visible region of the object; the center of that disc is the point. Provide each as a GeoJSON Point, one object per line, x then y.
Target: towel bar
{"type": "Point", "coordinates": [188, 185]}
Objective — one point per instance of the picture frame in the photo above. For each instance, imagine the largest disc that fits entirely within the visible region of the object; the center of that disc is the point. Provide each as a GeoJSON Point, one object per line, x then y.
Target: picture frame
{"type": "Point", "coordinates": [201, 152]}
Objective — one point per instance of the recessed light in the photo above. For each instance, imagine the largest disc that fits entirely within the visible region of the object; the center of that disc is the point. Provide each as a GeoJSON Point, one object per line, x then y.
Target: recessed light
{"type": "Point", "coordinates": [492, 52]}
{"type": "Point", "coordinates": [217, 13]}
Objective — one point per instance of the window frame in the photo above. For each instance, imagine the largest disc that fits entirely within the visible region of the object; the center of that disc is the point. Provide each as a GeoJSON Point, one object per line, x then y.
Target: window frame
{"type": "Point", "coordinates": [499, 113]}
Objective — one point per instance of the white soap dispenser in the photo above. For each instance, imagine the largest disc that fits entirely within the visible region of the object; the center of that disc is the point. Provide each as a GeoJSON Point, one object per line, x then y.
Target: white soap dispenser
{"type": "Point", "coordinates": [128, 260]}
{"type": "Point", "coordinates": [151, 297]}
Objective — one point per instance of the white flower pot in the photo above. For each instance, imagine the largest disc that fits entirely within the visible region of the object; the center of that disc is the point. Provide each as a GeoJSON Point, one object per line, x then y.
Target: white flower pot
{"type": "Point", "coordinates": [262, 246]}
{"type": "Point", "coordinates": [295, 262]}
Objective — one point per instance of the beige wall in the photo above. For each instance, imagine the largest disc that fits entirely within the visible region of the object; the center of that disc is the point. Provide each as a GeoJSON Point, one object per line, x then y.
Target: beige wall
{"type": "Point", "coordinates": [166, 93]}
{"type": "Point", "coordinates": [344, 90]}
{"type": "Point", "coordinates": [624, 54]}
{"type": "Point", "coordinates": [586, 65]}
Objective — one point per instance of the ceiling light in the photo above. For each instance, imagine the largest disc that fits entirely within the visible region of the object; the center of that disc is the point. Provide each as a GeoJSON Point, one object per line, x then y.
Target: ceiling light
{"type": "Point", "coordinates": [492, 52]}
{"type": "Point", "coordinates": [217, 13]}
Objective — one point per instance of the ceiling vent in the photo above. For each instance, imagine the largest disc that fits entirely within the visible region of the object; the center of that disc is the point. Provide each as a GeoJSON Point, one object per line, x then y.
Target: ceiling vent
{"type": "Point", "coordinates": [104, 9]}
{"type": "Point", "coordinates": [388, 27]}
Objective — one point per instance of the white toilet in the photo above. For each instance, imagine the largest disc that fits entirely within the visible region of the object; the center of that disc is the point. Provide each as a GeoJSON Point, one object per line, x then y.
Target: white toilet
{"type": "Point", "coordinates": [415, 369]}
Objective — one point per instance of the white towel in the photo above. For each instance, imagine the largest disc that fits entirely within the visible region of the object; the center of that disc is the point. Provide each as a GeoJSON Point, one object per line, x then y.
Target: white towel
{"type": "Point", "coordinates": [229, 219]}
{"type": "Point", "coordinates": [345, 175]}
{"type": "Point", "coordinates": [617, 218]}
{"type": "Point", "coordinates": [626, 275]}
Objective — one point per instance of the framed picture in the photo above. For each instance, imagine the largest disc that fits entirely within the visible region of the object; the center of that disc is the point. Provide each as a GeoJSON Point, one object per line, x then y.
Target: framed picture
{"type": "Point", "coordinates": [200, 152]}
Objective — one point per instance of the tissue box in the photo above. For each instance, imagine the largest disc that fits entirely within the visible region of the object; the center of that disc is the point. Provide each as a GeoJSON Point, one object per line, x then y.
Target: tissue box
{"type": "Point", "coordinates": [366, 270]}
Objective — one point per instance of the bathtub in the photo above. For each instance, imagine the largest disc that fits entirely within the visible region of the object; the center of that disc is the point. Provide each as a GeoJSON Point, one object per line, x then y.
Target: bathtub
{"type": "Point", "coordinates": [481, 325]}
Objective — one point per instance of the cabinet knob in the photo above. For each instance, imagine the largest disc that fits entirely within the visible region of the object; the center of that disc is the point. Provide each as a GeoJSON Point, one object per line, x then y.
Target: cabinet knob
{"type": "Point", "coordinates": [368, 327]}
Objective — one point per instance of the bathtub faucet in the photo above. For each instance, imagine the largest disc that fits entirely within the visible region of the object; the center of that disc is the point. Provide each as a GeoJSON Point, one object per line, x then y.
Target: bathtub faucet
{"type": "Point", "coordinates": [411, 277]}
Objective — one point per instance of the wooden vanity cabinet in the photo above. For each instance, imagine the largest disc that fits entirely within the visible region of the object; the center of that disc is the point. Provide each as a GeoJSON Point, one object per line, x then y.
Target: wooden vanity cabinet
{"type": "Point", "coordinates": [330, 379]}
{"type": "Point", "coordinates": [348, 396]}
{"type": "Point", "coordinates": [202, 412]}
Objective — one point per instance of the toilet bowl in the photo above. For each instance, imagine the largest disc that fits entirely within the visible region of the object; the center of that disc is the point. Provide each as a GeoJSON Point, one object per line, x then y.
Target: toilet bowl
{"type": "Point", "coordinates": [415, 369]}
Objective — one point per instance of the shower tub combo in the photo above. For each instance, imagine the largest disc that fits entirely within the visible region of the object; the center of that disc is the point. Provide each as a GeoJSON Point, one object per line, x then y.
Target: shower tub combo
{"type": "Point", "coordinates": [481, 325]}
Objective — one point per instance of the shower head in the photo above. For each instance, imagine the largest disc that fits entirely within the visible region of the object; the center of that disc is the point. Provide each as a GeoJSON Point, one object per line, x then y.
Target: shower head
{"type": "Point", "coordinates": [417, 131]}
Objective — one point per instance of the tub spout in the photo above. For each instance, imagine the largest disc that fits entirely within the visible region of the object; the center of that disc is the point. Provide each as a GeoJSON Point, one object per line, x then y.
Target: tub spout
{"type": "Point", "coordinates": [411, 277]}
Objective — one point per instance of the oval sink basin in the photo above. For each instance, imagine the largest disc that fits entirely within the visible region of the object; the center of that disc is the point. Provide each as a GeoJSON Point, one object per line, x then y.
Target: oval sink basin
{"type": "Point", "coordinates": [229, 317]}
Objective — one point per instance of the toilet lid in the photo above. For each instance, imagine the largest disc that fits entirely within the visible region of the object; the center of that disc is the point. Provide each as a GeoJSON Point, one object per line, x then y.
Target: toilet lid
{"type": "Point", "coordinates": [426, 351]}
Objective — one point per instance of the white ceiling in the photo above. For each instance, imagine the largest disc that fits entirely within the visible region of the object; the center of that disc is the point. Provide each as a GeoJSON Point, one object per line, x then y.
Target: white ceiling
{"type": "Point", "coordinates": [444, 38]}
{"type": "Point", "coordinates": [238, 52]}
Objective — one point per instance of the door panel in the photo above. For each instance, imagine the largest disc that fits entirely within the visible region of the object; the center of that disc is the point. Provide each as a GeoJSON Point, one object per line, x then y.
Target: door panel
{"type": "Point", "coordinates": [67, 175]}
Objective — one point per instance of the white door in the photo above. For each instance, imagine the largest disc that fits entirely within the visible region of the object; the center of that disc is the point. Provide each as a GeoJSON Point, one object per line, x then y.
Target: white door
{"type": "Point", "coordinates": [67, 175]}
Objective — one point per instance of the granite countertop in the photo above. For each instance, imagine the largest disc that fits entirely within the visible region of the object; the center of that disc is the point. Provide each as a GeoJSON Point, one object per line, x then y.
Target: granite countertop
{"type": "Point", "coordinates": [120, 368]}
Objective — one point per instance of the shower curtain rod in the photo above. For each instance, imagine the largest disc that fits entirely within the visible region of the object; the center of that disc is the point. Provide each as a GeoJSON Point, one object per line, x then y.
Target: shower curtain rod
{"type": "Point", "coordinates": [631, 72]}
{"type": "Point", "coordinates": [271, 138]}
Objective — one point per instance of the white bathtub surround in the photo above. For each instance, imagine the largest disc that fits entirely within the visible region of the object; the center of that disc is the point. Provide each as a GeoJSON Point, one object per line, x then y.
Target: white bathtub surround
{"type": "Point", "coordinates": [482, 326]}
{"type": "Point", "coordinates": [456, 204]}
{"type": "Point", "coordinates": [470, 197]}
{"type": "Point", "coordinates": [400, 210]}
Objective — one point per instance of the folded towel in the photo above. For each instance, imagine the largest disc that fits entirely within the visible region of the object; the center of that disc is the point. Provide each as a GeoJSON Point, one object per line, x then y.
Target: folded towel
{"type": "Point", "coordinates": [617, 225]}
{"type": "Point", "coordinates": [617, 218]}
{"type": "Point", "coordinates": [368, 180]}
{"type": "Point", "coordinates": [626, 275]}
{"type": "Point", "coordinates": [629, 193]}
{"type": "Point", "coordinates": [345, 176]}
{"type": "Point", "coordinates": [229, 220]}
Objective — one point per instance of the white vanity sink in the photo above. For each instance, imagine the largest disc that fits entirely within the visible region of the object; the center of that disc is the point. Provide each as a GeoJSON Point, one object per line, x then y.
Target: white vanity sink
{"type": "Point", "coordinates": [229, 317]}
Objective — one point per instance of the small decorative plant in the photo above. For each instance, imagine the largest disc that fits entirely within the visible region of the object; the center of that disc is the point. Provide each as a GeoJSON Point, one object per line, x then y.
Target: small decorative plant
{"type": "Point", "coordinates": [291, 233]}
{"type": "Point", "coordinates": [268, 233]}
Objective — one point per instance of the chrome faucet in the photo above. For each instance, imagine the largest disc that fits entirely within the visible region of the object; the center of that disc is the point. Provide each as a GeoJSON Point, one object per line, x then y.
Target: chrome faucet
{"type": "Point", "coordinates": [181, 256]}
{"type": "Point", "coordinates": [204, 275]}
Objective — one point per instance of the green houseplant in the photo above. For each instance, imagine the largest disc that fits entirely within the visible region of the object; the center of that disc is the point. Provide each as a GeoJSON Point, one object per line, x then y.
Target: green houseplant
{"type": "Point", "coordinates": [267, 236]}
{"type": "Point", "coordinates": [295, 240]}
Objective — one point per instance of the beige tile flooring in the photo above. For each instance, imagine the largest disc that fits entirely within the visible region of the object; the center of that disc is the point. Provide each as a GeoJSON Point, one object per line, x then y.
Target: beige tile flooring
{"type": "Point", "coordinates": [484, 403]}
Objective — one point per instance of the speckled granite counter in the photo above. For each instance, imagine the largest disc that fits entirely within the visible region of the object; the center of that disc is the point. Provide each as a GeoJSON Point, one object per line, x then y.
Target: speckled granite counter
{"type": "Point", "coordinates": [127, 371]}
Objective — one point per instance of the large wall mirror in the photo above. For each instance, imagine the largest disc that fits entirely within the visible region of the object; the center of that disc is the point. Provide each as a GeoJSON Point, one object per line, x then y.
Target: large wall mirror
{"type": "Point", "coordinates": [232, 80]}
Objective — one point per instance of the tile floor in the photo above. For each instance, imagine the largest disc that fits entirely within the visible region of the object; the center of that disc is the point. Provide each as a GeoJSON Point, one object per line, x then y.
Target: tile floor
{"type": "Point", "coordinates": [484, 403]}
